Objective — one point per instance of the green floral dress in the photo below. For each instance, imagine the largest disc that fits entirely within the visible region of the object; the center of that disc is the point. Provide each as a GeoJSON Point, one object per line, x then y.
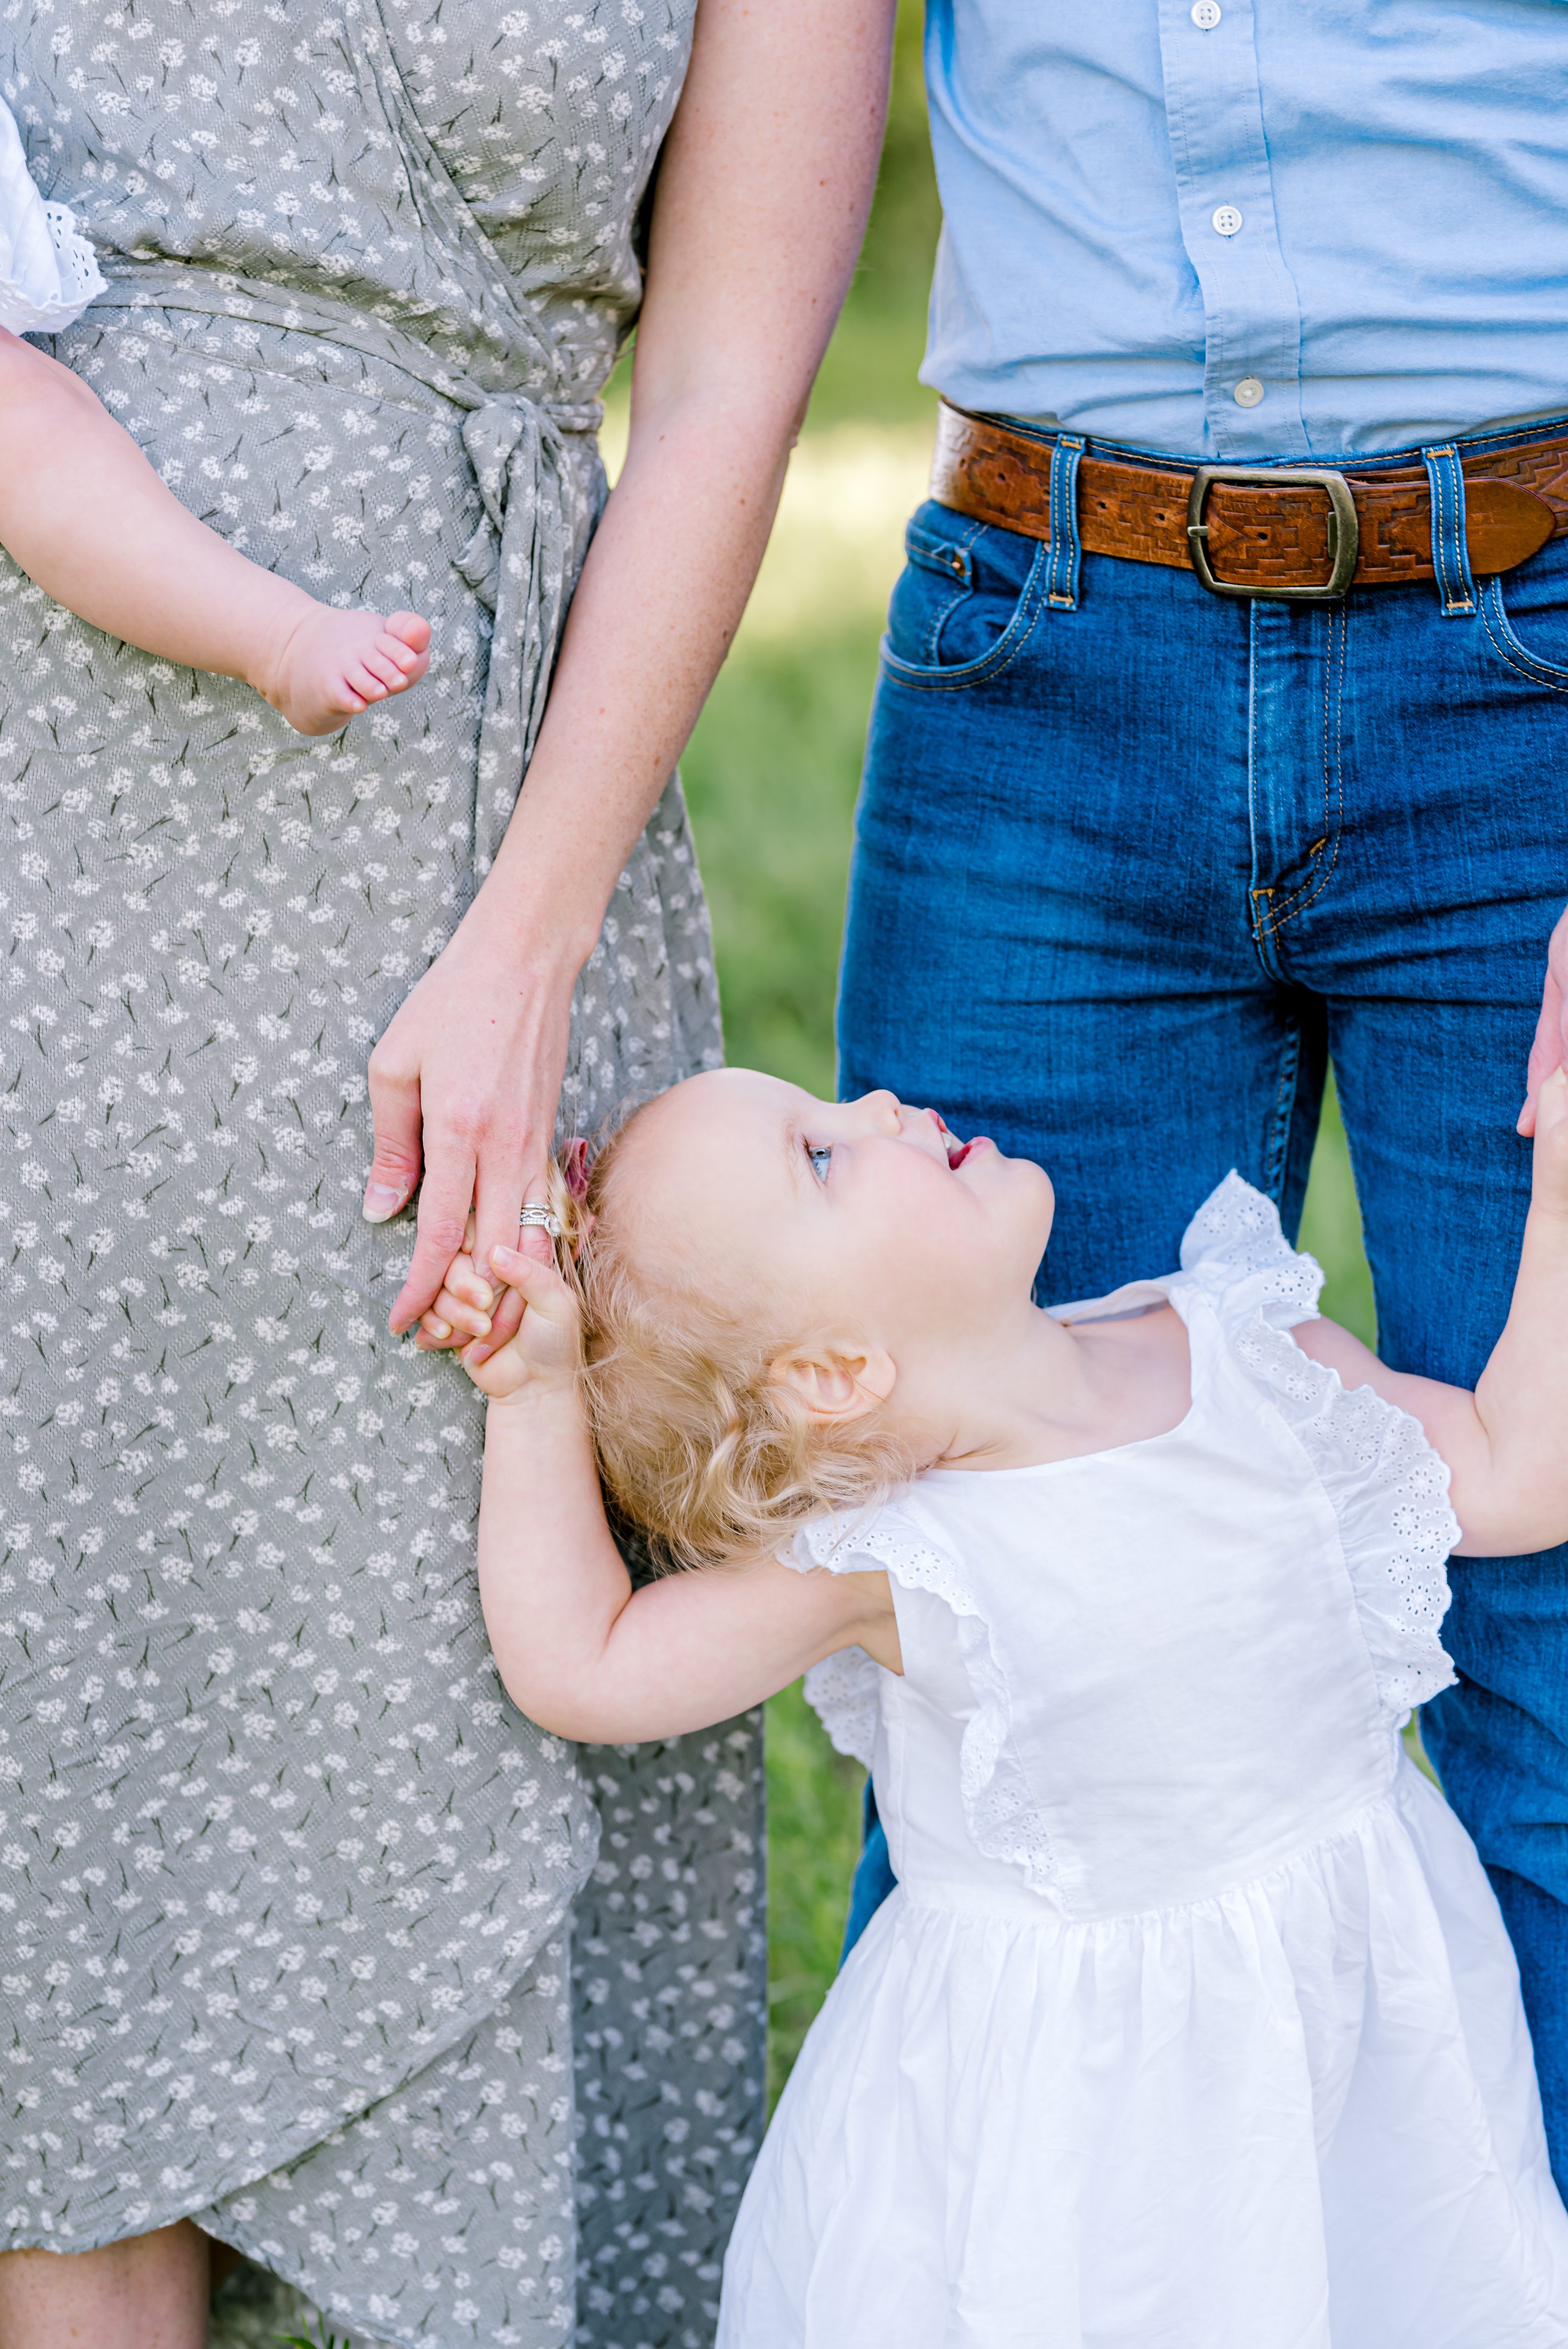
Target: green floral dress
{"type": "Point", "coordinates": [286, 1886]}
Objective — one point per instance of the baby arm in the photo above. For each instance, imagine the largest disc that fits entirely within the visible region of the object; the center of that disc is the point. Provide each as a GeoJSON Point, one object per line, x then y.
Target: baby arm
{"type": "Point", "coordinates": [85, 516]}
{"type": "Point", "coordinates": [580, 1652]}
{"type": "Point", "coordinates": [1507, 1443]}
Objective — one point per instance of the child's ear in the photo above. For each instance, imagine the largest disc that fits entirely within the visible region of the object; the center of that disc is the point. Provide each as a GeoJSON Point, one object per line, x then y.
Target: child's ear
{"type": "Point", "coordinates": [835, 1385]}
{"type": "Point", "coordinates": [575, 1167]}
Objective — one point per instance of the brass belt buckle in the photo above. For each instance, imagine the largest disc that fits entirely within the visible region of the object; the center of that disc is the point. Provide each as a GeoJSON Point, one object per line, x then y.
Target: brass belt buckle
{"type": "Point", "coordinates": [1344, 529]}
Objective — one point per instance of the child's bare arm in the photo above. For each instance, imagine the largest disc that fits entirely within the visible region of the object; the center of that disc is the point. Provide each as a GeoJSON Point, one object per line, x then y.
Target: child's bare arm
{"type": "Point", "coordinates": [1507, 1443]}
{"type": "Point", "coordinates": [582, 1654]}
{"type": "Point", "coordinates": [85, 516]}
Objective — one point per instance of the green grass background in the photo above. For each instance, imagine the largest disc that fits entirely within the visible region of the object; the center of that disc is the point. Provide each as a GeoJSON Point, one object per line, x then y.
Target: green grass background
{"type": "Point", "coordinates": [771, 775]}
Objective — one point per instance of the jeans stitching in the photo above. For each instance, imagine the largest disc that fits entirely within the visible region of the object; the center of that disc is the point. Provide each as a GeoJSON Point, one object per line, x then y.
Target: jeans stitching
{"type": "Point", "coordinates": [1062, 577]}
{"type": "Point", "coordinates": [1300, 899]}
{"type": "Point", "coordinates": [1278, 1157]}
{"type": "Point", "coordinates": [960, 593]}
{"type": "Point", "coordinates": [989, 665]}
{"type": "Point", "coordinates": [1450, 555]}
{"type": "Point", "coordinates": [1259, 896]}
{"type": "Point", "coordinates": [1509, 649]}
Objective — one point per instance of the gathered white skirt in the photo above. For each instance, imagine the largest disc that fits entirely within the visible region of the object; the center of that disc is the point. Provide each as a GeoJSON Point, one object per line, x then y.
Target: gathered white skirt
{"type": "Point", "coordinates": [1301, 2115]}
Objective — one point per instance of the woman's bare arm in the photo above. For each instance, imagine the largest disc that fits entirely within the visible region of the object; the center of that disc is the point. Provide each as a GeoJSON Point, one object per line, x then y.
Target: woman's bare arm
{"type": "Point", "coordinates": [760, 206]}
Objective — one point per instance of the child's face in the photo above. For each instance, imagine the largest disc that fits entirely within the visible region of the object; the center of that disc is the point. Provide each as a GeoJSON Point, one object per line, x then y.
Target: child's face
{"type": "Point", "coordinates": [862, 1215]}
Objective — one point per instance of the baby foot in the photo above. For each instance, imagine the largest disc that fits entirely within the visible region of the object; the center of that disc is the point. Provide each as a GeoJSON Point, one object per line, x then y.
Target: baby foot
{"type": "Point", "coordinates": [333, 664]}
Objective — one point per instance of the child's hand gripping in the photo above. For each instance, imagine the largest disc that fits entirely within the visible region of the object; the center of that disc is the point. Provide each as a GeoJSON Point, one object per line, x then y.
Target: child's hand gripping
{"type": "Point", "coordinates": [545, 1351]}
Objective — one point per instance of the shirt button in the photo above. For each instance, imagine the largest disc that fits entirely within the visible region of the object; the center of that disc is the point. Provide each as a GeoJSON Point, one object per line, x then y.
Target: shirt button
{"type": "Point", "coordinates": [1227, 220]}
{"type": "Point", "coordinates": [1206, 15]}
{"type": "Point", "coordinates": [1248, 392]}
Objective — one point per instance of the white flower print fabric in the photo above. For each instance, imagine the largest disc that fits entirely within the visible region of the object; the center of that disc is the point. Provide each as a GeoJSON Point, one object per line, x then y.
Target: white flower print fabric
{"type": "Point", "coordinates": [285, 1883]}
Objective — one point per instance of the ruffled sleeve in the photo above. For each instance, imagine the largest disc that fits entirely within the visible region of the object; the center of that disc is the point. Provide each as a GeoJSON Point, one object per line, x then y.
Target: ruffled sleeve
{"type": "Point", "coordinates": [1235, 1248]}
{"type": "Point", "coordinates": [999, 1808]}
{"type": "Point", "coordinates": [1389, 1488]}
{"type": "Point", "coordinates": [48, 272]}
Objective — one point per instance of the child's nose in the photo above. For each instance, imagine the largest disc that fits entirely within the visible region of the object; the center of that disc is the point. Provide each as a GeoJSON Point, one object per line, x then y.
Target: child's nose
{"type": "Point", "coordinates": [885, 1111]}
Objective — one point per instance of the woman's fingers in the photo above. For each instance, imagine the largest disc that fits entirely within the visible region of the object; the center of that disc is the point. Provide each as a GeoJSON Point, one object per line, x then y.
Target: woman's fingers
{"type": "Point", "coordinates": [394, 1162]}
{"type": "Point", "coordinates": [503, 1187]}
{"type": "Point", "coordinates": [448, 1186]}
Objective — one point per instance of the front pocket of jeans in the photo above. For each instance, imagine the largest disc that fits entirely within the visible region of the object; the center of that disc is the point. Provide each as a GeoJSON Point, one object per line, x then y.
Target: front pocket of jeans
{"type": "Point", "coordinates": [1515, 652]}
{"type": "Point", "coordinates": [964, 633]}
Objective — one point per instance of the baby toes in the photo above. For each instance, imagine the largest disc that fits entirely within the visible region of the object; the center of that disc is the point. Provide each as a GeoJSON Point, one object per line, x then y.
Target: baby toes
{"type": "Point", "coordinates": [362, 677]}
{"type": "Point", "coordinates": [411, 630]}
{"type": "Point", "coordinates": [398, 662]}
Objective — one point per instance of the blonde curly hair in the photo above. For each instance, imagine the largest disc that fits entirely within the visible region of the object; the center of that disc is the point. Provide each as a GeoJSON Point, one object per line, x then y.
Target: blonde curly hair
{"type": "Point", "coordinates": [699, 1445]}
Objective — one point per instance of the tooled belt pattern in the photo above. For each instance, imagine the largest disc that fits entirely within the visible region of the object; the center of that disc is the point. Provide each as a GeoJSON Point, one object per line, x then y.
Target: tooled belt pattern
{"type": "Point", "coordinates": [1516, 499]}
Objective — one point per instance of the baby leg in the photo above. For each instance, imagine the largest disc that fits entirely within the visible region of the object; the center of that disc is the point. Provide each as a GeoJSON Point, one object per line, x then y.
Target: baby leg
{"type": "Point", "coordinates": [86, 517]}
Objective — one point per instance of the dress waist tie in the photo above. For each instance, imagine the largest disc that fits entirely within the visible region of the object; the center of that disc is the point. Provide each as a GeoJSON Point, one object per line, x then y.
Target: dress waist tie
{"type": "Point", "coordinates": [540, 507]}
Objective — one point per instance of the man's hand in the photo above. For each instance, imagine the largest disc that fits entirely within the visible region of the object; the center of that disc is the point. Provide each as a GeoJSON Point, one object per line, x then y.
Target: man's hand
{"type": "Point", "coordinates": [1549, 1171]}
{"type": "Point", "coordinates": [1550, 1049]}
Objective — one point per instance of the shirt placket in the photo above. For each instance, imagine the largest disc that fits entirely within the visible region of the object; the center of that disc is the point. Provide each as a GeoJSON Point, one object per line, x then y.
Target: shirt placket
{"type": "Point", "coordinates": [1252, 312]}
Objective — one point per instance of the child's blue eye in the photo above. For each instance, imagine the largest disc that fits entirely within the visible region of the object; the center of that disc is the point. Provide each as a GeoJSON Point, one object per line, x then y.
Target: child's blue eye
{"type": "Point", "coordinates": [820, 1157]}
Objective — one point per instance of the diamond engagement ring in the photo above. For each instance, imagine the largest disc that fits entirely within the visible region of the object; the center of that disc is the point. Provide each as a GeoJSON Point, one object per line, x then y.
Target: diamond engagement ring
{"type": "Point", "coordinates": [535, 1213]}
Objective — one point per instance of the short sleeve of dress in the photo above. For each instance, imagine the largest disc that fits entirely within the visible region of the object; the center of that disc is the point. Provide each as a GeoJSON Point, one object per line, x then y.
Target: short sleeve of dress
{"type": "Point", "coordinates": [48, 273]}
{"type": "Point", "coordinates": [999, 1808]}
{"type": "Point", "coordinates": [1388, 1487]}
{"type": "Point", "coordinates": [1235, 1248]}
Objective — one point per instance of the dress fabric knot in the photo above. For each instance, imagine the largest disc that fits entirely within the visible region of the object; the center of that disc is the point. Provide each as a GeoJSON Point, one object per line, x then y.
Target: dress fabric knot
{"type": "Point", "coordinates": [539, 512]}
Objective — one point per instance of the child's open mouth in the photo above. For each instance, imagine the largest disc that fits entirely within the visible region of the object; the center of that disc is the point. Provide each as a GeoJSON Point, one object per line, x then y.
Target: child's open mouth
{"type": "Point", "coordinates": [957, 1152]}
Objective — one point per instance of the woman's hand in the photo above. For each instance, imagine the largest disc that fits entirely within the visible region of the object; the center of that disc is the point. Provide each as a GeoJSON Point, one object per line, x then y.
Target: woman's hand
{"type": "Point", "coordinates": [463, 1087]}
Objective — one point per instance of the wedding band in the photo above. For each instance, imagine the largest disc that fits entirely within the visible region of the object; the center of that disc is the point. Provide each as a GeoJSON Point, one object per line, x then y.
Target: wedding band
{"type": "Point", "coordinates": [539, 1218]}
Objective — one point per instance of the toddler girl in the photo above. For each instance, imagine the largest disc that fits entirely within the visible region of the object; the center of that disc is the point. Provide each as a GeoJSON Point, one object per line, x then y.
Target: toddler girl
{"type": "Point", "coordinates": [85, 516]}
{"type": "Point", "coordinates": [1193, 2023]}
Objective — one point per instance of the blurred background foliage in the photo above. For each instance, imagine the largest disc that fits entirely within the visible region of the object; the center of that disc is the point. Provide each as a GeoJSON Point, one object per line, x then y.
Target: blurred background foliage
{"type": "Point", "coordinates": [771, 775]}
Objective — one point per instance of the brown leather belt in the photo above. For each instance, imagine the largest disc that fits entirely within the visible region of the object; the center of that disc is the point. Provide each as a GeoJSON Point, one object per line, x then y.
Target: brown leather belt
{"type": "Point", "coordinates": [1299, 532]}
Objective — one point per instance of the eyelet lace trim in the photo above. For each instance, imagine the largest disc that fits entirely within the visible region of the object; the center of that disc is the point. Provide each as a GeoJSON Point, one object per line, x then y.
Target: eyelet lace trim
{"type": "Point", "coordinates": [29, 303]}
{"type": "Point", "coordinates": [842, 1691]}
{"type": "Point", "coordinates": [998, 1807]}
{"type": "Point", "coordinates": [80, 276]}
{"type": "Point", "coordinates": [1389, 1488]}
{"type": "Point", "coordinates": [1235, 1237]}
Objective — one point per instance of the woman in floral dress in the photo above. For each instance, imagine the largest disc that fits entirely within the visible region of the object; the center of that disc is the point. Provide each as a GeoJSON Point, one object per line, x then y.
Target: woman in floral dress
{"type": "Point", "coordinates": [286, 1886]}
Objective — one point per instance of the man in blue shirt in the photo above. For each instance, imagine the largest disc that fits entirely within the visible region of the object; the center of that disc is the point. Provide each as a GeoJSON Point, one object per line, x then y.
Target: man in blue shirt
{"type": "Point", "coordinates": [1179, 783]}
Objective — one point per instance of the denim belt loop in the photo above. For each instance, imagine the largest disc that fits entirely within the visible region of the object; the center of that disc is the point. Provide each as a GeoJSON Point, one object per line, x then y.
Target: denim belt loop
{"type": "Point", "coordinates": [1450, 555]}
{"type": "Point", "coordinates": [1062, 574]}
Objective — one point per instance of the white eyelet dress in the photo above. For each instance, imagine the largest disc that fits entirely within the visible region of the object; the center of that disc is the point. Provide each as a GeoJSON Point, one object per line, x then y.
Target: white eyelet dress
{"type": "Point", "coordinates": [48, 273]}
{"type": "Point", "coordinates": [1193, 2023]}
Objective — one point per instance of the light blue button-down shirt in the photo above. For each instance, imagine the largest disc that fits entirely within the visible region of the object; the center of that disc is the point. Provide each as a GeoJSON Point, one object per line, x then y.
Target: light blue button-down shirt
{"type": "Point", "coordinates": [1353, 212]}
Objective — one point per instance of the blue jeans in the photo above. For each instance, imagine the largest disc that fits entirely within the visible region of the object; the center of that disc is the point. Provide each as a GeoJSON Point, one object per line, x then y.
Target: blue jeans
{"type": "Point", "coordinates": [1129, 865]}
